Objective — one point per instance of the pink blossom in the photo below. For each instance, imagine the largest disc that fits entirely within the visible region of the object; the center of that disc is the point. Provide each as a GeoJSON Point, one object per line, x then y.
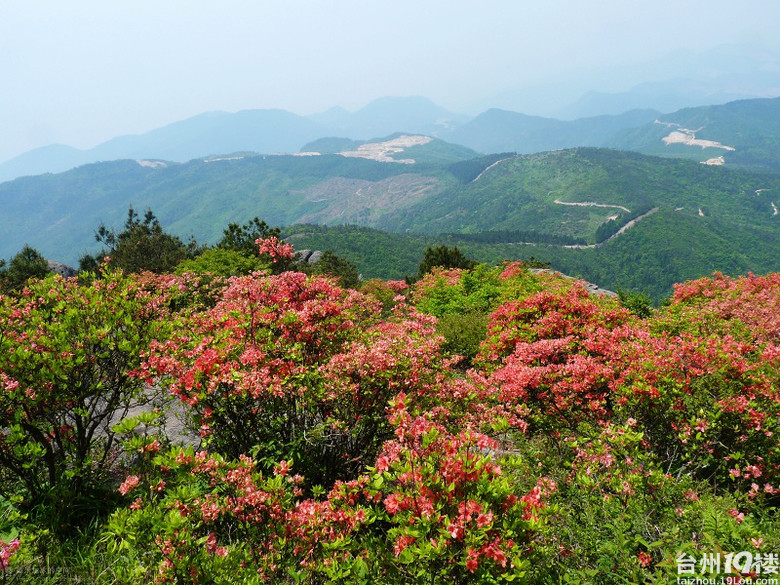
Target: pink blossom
{"type": "Point", "coordinates": [129, 484]}
{"type": "Point", "coordinates": [7, 551]}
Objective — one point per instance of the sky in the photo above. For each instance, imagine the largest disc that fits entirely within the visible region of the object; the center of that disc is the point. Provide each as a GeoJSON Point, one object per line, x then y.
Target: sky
{"type": "Point", "coordinates": [79, 72]}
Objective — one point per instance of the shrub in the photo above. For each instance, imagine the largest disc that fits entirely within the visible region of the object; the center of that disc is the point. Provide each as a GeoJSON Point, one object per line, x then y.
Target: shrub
{"type": "Point", "coordinates": [435, 508]}
{"type": "Point", "coordinates": [297, 367]}
{"type": "Point", "coordinates": [67, 352]}
{"type": "Point", "coordinates": [553, 353]}
{"type": "Point", "coordinates": [463, 299]}
{"type": "Point", "coordinates": [221, 262]}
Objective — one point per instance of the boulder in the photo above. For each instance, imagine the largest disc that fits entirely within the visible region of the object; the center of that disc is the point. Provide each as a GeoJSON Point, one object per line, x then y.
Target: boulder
{"type": "Point", "coordinates": [61, 269]}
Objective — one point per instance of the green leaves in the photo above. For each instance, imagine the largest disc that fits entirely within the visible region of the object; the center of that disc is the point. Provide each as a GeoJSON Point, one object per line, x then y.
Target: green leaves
{"type": "Point", "coordinates": [69, 350]}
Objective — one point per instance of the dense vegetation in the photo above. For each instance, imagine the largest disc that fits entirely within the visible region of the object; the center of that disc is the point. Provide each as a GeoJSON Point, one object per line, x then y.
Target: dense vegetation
{"type": "Point", "coordinates": [691, 220]}
{"type": "Point", "coordinates": [749, 128]}
{"type": "Point", "coordinates": [237, 413]}
{"type": "Point", "coordinates": [485, 425]}
{"type": "Point", "coordinates": [562, 207]}
{"type": "Point", "coordinates": [190, 199]}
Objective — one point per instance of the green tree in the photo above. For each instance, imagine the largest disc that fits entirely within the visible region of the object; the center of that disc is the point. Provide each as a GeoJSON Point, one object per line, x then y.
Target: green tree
{"type": "Point", "coordinates": [443, 256]}
{"type": "Point", "coordinates": [333, 265]}
{"type": "Point", "coordinates": [29, 263]}
{"type": "Point", "coordinates": [638, 302]}
{"type": "Point", "coordinates": [142, 245]}
{"type": "Point", "coordinates": [67, 352]}
{"type": "Point", "coordinates": [222, 262]}
{"type": "Point", "coordinates": [241, 238]}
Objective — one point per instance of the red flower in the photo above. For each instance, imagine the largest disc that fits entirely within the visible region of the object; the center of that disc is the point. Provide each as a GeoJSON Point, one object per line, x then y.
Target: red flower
{"type": "Point", "coordinates": [129, 484]}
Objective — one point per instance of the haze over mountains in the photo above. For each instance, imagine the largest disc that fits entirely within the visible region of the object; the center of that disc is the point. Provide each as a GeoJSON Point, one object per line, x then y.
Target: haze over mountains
{"type": "Point", "coordinates": [500, 123]}
{"type": "Point", "coordinates": [652, 221]}
{"type": "Point", "coordinates": [580, 192]}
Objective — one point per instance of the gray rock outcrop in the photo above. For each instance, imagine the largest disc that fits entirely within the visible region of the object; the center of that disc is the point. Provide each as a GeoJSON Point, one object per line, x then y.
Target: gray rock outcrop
{"type": "Point", "coordinates": [593, 289]}
{"type": "Point", "coordinates": [61, 269]}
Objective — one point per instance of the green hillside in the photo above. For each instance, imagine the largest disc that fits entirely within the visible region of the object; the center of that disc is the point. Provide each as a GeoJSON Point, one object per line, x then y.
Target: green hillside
{"type": "Point", "coordinates": [619, 219]}
{"type": "Point", "coordinates": [58, 214]}
{"type": "Point", "coordinates": [749, 128]}
{"type": "Point", "coordinates": [574, 192]}
{"type": "Point", "coordinates": [665, 248]}
{"type": "Point", "coordinates": [689, 219]}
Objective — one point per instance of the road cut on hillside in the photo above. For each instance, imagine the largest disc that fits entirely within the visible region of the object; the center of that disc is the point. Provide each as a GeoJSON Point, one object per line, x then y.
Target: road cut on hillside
{"type": "Point", "coordinates": [591, 204]}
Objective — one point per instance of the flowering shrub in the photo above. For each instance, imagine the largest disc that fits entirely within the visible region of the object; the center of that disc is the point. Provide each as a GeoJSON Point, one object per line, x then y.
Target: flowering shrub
{"type": "Point", "coordinates": [298, 367]}
{"type": "Point", "coordinates": [454, 516]}
{"type": "Point", "coordinates": [747, 308]}
{"type": "Point", "coordinates": [621, 515]}
{"type": "Point", "coordinates": [708, 407]}
{"type": "Point", "coordinates": [7, 551]}
{"type": "Point", "coordinates": [280, 254]}
{"type": "Point", "coordinates": [274, 248]}
{"type": "Point", "coordinates": [345, 444]}
{"type": "Point", "coordinates": [384, 292]}
{"type": "Point", "coordinates": [554, 354]}
{"type": "Point", "coordinates": [616, 506]}
{"type": "Point", "coordinates": [187, 508]}
{"type": "Point", "coordinates": [706, 403]}
{"type": "Point", "coordinates": [565, 316]}
{"type": "Point", "coordinates": [435, 508]}
{"type": "Point", "coordinates": [66, 356]}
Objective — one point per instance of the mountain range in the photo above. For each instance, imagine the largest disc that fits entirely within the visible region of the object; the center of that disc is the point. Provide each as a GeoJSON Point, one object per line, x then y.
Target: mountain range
{"type": "Point", "coordinates": [651, 220]}
{"type": "Point", "coordinates": [640, 198]}
{"type": "Point", "coordinates": [494, 130]}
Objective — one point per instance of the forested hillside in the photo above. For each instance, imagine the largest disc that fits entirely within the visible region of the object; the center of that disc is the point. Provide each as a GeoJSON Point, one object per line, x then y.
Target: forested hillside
{"type": "Point", "coordinates": [617, 218]}
{"type": "Point", "coordinates": [680, 220]}
{"type": "Point", "coordinates": [58, 214]}
{"type": "Point", "coordinates": [745, 133]}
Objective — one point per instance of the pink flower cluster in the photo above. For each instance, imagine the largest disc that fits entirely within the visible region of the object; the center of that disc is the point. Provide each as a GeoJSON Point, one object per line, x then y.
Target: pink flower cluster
{"type": "Point", "coordinates": [275, 249]}
{"type": "Point", "coordinates": [7, 550]}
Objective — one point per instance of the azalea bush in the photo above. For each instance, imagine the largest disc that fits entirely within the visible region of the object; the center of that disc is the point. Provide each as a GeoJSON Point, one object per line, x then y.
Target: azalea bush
{"type": "Point", "coordinates": [455, 515]}
{"type": "Point", "coordinates": [435, 508]}
{"type": "Point", "coordinates": [747, 308]}
{"type": "Point", "coordinates": [708, 407]}
{"type": "Point", "coordinates": [553, 353]}
{"type": "Point", "coordinates": [619, 516]}
{"type": "Point", "coordinates": [706, 402]}
{"type": "Point", "coordinates": [67, 355]}
{"type": "Point", "coordinates": [292, 367]}
{"type": "Point", "coordinates": [336, 436]}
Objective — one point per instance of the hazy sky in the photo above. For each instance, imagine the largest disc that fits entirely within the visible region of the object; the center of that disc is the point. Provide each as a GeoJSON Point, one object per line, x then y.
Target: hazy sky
{"type": "Point", "coordinates": [81, 71]}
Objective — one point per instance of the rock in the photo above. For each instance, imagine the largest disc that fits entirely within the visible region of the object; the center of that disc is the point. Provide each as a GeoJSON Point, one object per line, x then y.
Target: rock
{"type": "Point", "coordinates": [592, 289]}
{"type": "Point", "coordinates": [315, 257]}
{"type": "Point", "coordinates": [303, 255]}
{"type": "Point", "coordinates": [61, 269]}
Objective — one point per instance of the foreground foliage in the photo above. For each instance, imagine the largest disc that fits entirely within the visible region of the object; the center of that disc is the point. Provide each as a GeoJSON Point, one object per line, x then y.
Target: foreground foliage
{"type": "Point", "coordinates": [67, 353]}
{"type": "Point", "coordinates": [484, 425]}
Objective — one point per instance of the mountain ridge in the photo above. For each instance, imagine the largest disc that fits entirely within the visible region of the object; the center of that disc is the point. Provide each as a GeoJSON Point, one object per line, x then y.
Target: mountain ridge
{"type": "Point", "coordinates": [494, 130]}
{"type": "Point", "coordinates": [569, 207]}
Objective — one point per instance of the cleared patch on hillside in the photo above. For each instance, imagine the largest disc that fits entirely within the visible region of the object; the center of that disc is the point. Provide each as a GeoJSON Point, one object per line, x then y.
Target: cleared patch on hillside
{"type": "Point", "coordinates": [687, 137]}
{"type": "Point", "coordinates": [360, 201]}
{"type": "Point", "coordinates": [152, 164]}
{"type": "Point", "coordinates": [384, 151]}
